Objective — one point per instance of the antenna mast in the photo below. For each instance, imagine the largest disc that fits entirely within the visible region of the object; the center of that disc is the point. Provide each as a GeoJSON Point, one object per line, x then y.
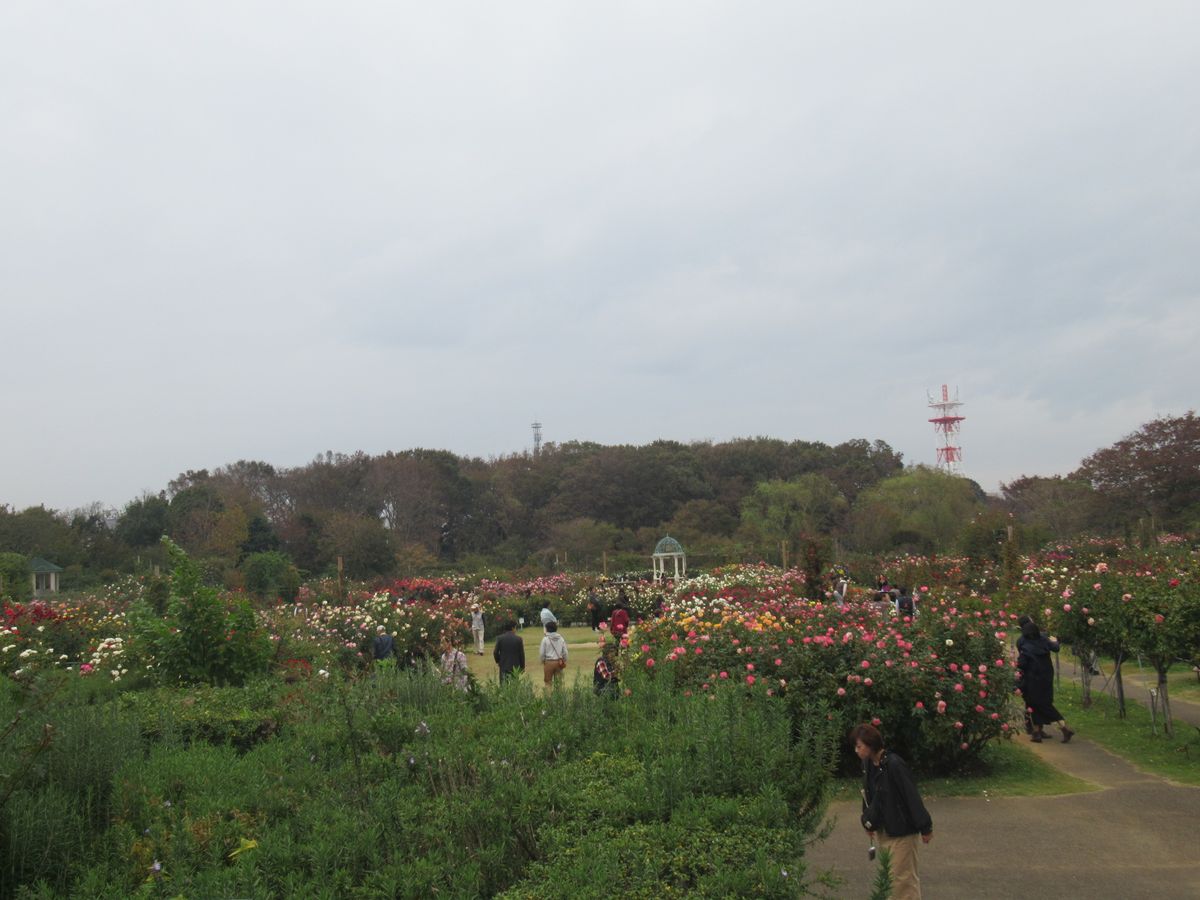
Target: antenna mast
{"type": "Point", "coordinates": [537, 439]}
{"type": "Point", "coordinates": [946, 423]}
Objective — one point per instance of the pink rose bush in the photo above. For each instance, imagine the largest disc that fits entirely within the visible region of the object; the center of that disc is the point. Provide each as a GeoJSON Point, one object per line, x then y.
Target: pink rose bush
{"type": "Point", "coordinates": [939, 685]}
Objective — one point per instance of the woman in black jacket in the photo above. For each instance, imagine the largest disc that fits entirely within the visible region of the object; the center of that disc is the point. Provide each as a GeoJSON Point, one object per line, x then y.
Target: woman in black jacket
{"type": "Point", "coordinates": [892, 809]}
{"type": "Point", "coordinates": [1037, 680]}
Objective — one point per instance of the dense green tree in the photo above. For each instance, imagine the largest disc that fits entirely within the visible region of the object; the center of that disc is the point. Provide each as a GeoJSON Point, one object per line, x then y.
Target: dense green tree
{"type": "Point", "coordinates": [38, 531]}
{"type": "Point", "coordinates": [922, 509]}
{"type": "Point", "coordinates": [363, 544]}
{"type": "Point", "coordinates": [144, 521]}
{"type": "Point", "coordinates": [302, 537]}
{"type": "Point", "coordinates": [270, 575]}
{"type": "Point", "coordinates": [584, 541]}
{"type": "Point", "coordinates": [260, 536]}
{"type": "Point", "coordinates": [101, 549]}
{"type": "Point", "coordinates": [14, 576]}
{"type": "Point", "coordinates": [856, 465]}
{"type": "Point", "coordinates": [194, 514]}
{"type": "Point", "coordinates": [791, 511]}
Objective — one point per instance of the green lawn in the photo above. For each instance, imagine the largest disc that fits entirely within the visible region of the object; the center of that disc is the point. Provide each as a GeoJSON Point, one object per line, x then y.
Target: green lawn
{"type": "Point", "coordinates": [1176, 758]}
{"type": "Point", "coordinates": [582, 650]}
{"type": "Point", "coordinates": [1007, 769]}
{"type": "Point", "coordinates": [1181, 680]}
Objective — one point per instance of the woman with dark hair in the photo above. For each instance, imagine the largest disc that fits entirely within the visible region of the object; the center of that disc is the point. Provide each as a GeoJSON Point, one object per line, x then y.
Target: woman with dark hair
{"type": "Point", "coordinates": [1037, 679]}
{"type": "Point", "coordinates": [892, 808]}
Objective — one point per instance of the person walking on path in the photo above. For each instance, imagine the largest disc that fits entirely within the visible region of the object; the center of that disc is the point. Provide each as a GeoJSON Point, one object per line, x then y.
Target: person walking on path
{"type": "Point", "coordinates": [509, 652]}
{"type": "Point", "coordinates": [892, 809]}
{"type": "Point", "coordinates": [553, 654]}
{"type": "Point", "coordinates": [548, 615]}
{"type": "Point", "coordinates": [477, 627]}
{"type": "Point", "coordinates": [1037, 680]}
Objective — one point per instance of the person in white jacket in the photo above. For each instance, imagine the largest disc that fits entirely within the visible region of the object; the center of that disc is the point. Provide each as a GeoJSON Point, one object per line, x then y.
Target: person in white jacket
{"type": "Point", "coordinates": [553, 654]}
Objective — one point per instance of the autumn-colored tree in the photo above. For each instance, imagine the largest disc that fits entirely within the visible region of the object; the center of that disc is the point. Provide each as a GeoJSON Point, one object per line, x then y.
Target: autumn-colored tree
{"type": "Point", "coordinates": [1154, 472]}
{"type": "Point", "coordinates": [1059, 507]}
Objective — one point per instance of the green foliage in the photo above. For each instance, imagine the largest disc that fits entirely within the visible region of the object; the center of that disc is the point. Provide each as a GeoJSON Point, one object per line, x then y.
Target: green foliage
{"type": "Point", "coordinates": [201, 639]}
{"type": "Point", "coordinates": [398, 786]}
{"type": "Point", "coordinates": [881, 887]}
{"type": "Point", "coordinates": [144, 521]}
{"type": "Point", "coordinates": [237, 716]}
{"type": "Point", "coordinates": [784, 511]}
{"type": "Point", "coordinates": [14, 576]}
{"type": "Point", "coordinates": [921, 510]}
{"type": "Point", "coordinates": [59, 752]}
{"type": "Point", "coordinates": [271, 575]}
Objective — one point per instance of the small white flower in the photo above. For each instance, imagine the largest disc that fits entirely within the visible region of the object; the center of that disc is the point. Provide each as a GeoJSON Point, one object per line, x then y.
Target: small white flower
{"type": "Point", "coordinates": [949, 643]}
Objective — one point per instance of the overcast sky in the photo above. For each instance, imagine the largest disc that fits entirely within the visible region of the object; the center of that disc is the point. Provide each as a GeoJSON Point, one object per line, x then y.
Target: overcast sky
{"type": "Point", "coordinates": [239, 230]}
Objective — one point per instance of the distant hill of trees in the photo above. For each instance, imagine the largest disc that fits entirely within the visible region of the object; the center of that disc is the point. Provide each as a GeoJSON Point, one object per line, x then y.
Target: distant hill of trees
{"type": "Point", "coordinates": [575, 503]}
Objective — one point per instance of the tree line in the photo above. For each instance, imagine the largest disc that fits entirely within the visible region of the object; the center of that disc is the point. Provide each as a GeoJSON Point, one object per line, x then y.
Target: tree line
{"type": "Point", "coordinates": [576, 504]}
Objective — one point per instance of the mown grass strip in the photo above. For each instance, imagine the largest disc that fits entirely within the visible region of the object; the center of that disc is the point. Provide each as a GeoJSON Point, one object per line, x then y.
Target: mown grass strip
{"type": "Point", "coordinates": [1175, 757]}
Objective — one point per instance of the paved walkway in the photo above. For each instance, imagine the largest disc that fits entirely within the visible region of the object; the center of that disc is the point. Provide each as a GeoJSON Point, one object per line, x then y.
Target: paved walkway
{"type": "Point", "coordinates": [1135, 836]}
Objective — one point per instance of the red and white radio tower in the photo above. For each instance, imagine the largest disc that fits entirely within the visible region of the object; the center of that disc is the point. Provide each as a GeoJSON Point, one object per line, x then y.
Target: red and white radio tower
{"type": "Point", "coordinates": [949, 455]}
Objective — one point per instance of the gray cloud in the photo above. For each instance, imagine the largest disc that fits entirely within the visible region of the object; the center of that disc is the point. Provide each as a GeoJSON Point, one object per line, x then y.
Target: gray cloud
{"type": "Point", "coordinates": [263, 230]}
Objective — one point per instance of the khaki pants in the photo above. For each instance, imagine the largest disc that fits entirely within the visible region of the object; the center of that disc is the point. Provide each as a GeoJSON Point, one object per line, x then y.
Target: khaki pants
{"type": "Point", "coordinates": [551, 670]}
{"type": "Point", "coordinates": [477, 633]}
{"type": "Point", "coordinates": [906, 884]}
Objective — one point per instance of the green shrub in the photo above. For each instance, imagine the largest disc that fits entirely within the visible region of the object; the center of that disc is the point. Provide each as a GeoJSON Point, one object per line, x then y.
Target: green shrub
{"type": "Point", "coordinates": [271, 576]}
{"type": "Point", "coordinates": [200, 639]}
{"type": "Point", "coordinates": [397, 785]}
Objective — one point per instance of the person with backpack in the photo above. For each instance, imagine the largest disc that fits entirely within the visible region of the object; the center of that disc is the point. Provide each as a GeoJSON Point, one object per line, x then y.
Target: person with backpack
{"type": "Point", "coordinates": [553, 655]}
{"type": "Point", "coordinates": [906, 606]}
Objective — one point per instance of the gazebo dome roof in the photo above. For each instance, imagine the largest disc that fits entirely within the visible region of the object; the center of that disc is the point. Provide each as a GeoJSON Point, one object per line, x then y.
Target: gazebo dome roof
{"type": "Point", "coordinates": [668, 545]}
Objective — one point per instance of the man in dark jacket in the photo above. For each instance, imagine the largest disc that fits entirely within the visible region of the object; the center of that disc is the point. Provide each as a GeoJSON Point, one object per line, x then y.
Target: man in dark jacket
{"type": "Point", "coordinates": [384, 645]}
{"type": "Point", "coordinates": [892, 808]}
{"type": "Point", "coordinates": [509, 652]}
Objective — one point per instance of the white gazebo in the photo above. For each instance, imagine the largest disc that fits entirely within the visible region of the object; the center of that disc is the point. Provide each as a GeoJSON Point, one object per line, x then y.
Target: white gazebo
{"type": "Point", "coordinates": [43, 575]}
{"type": "Point", "coordinates": [669, 549]}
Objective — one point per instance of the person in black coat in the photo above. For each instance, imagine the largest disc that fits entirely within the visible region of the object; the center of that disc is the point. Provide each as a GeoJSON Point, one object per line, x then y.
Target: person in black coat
{"type": "Point", "coordinates": [1037, 680]}
{"type": "Point", "coordinates": [509, 652]}
{"type": "Point", "coordinates": [892, 809]}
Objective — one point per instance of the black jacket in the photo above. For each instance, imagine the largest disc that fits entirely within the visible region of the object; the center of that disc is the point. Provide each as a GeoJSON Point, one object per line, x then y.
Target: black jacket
{"type": "Point", "coordinates": [891, 799]}
{"type": "Point", "coordinates": [509, 653]}
{"type": "Point", "coordinates": [1037, 669]}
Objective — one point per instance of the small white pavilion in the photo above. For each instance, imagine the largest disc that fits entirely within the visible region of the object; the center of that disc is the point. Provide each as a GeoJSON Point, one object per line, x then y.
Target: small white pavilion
{"type": "Point", "coordinates": [669, 549]}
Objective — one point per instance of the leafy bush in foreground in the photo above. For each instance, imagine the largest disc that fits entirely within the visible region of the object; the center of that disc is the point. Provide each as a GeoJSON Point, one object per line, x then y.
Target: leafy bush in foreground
{"type": "Point", "coordinates": [399, 786]}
